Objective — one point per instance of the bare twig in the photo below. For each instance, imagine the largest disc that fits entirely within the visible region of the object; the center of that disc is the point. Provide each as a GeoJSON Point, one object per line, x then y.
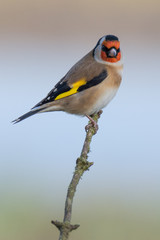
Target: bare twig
{"type": "Point", "coordinates": [82, 165]}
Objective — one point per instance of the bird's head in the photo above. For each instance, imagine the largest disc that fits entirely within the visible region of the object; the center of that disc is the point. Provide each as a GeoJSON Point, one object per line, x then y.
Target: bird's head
{"type": "Point", "coordinates": [107, 50]}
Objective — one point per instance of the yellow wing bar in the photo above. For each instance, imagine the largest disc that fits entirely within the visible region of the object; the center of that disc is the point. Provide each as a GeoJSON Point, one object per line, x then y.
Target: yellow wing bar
{"type": "Point", "coordinates": [73, 90]}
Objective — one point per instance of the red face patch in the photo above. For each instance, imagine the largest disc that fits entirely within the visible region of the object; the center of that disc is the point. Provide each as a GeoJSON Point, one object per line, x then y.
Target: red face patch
{"type": "Point", "coordinates": [109, 45]}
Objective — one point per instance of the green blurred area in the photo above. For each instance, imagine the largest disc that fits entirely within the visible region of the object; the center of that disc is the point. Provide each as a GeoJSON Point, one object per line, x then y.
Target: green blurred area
{"type": "Point", "coordinates": [99, 219]}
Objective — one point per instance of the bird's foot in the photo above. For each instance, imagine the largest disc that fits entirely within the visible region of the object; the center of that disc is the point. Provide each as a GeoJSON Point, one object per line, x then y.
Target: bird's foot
{"type": "Point", "coordinates": [91, 124]}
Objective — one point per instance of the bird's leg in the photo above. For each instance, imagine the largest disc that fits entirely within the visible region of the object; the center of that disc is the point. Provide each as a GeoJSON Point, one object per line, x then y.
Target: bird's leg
{"type": "Point", "coordinates": [92, 122]}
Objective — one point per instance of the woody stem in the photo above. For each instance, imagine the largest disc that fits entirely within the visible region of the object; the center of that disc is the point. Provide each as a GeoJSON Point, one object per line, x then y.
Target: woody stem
{"type": "Point", "coordinates": [82, 165]}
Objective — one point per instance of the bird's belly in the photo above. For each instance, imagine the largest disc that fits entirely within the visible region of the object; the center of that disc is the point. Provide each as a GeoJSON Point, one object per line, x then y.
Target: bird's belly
{"type": "Point", "coordinates": [102, 101]}
{"type": "Point", "coordinates": [87, 104]}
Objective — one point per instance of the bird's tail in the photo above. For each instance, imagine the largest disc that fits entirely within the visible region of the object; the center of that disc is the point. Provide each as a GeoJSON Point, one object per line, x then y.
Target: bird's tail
{"type": "Point", "coordinates": [26, 115]}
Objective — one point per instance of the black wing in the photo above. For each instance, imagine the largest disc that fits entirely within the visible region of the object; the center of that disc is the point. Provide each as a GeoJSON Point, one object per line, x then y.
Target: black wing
{"type": "Point", "coordinates": [62, 87]}
{"type": "Point", "coordinates": [59, 88]}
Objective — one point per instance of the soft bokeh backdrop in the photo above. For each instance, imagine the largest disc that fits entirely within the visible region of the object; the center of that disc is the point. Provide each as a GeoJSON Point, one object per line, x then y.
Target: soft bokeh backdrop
{"type": "Point", "coordinates": [119, 197]}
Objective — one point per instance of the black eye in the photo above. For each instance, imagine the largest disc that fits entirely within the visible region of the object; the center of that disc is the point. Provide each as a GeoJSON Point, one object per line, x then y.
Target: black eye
{"type": "Point", "coordinates": [112, 52]}
{"type": "Point", "coordinates": [104, 48]}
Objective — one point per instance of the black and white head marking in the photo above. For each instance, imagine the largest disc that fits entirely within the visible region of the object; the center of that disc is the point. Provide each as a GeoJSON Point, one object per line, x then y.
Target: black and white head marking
{"type": "Point", "coordinates": [98, 48]}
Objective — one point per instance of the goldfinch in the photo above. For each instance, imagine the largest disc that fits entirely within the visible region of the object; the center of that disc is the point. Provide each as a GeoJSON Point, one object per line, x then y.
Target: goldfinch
{"type": "Point", "coordinates": [89, 85]}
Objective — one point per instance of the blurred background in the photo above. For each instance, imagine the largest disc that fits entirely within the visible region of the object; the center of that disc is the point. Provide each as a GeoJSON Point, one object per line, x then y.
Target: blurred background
{"type": "Point", "coordinates": [119, 197]}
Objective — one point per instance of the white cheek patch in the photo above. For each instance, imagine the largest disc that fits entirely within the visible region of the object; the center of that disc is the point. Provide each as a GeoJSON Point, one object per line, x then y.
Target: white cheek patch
{"type": "Point", "coordinates": [97, 52]}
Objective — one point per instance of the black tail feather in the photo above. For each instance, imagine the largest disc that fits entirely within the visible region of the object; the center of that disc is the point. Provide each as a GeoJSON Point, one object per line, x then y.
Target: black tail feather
{"type": "Point", "coordinates": [26, 115]}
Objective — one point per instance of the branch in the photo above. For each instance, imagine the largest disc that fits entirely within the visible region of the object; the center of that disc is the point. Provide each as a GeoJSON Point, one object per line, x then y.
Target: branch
{"type": "Point", "coordinates": [82, 165]}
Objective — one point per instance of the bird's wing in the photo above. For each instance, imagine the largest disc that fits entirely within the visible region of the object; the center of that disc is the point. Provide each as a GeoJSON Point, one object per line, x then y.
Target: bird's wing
{"type": "Point", "coordinates": [83, 75]}
{"type": "Point", "coordinates": [63, 89]}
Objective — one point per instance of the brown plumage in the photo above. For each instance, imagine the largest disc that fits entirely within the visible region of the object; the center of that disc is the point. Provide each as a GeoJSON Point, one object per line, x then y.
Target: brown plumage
{"type": "Point", "coordinates": [89, 85]}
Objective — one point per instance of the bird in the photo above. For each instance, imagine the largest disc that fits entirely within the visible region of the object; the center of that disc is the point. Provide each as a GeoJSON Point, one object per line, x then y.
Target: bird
{"type": "Point", "coordinates": [89, 85]}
